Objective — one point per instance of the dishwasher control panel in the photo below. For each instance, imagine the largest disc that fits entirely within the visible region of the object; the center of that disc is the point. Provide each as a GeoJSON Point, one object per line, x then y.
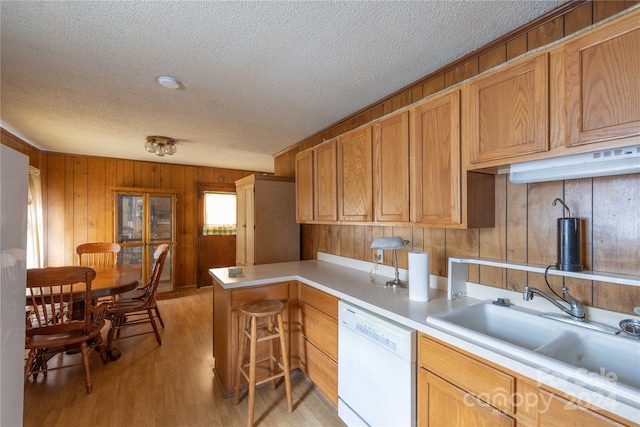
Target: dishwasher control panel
{"type": "Point", "coordinates": [376, 335]}
{"type": "Point", "coordinates": [384, 332]}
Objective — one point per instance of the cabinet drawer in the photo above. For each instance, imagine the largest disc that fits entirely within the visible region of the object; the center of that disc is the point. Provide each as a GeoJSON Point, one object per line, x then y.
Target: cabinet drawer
{"type": "Point", "coordinates": [320, 300]}
{"type": "Point", "coordinates": [279, 291]}
{"type": "Point", "coordinates": [320, 369]}
{"type": "Point", "coordinates": [320, 329]}
{"type": "Point", "coordinates": [482, 381]}
{"type": "Point", "coordinates": [555, 411]}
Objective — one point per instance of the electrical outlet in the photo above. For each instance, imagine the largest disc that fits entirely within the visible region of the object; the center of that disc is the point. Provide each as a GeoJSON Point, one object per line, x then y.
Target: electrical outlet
{"type": "Point", "coordinates": [380, 256]}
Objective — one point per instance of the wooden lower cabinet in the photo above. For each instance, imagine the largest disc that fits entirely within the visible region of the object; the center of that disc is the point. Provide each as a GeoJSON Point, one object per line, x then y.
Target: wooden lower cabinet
{"type": "Point", "coordinates": [318, 317]}
{"type": "Point", "coordinates": [458, 388]}
{"type": "Point", "coordinates": [227, 325]}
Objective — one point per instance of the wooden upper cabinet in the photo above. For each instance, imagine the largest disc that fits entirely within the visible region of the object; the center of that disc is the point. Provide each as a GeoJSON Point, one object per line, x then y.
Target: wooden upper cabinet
{"type": "Point", "coordinates": [355, 198]}
{"type": "Point", "coordinates": [509, 110]}
{"type": "Point", "coordinates": [435, 154]}
{"type": "Point", "coordinates": [391, 169]}
{"type": "Point", "coordinates": [603, 82]}
{"type": "Point", "coordinates": [304, 186]}
{"type": "Point", "coordinates": [325, 180]}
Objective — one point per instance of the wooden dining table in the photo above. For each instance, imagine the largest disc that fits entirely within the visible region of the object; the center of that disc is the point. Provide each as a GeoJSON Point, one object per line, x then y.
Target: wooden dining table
{"type": "Point", "coordinates": [115, 280]}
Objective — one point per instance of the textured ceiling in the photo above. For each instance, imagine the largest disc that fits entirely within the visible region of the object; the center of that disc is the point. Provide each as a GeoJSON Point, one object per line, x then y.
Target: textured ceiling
{"type": "Point", "coordinates": [81, 76]}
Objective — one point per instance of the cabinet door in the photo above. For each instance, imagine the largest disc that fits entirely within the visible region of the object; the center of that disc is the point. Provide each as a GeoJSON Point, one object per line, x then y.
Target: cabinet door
{"type": "Point", "coordinates": [304, 186]}
{"type": "Point", "coordinates": [391, 169]}
{"type": "Point", "coordinates": [447, 405]}
{"type": "Point", "coordinates": [325, 191]}
{"type": "Point", "coordinates": [355, 176]}
{"type": "Point", "coordinates": [245, 225]}
{"type": "Point", "coordinates": [435, 145]}
{"type": "Point", "coordinates": [509, 111]}
{"type": "Point", "coordinates": [603, 82]}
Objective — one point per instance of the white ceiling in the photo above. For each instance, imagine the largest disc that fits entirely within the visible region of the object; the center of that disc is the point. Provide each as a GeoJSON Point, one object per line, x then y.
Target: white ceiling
{"type": "Point", "coordinates": [81, 76]}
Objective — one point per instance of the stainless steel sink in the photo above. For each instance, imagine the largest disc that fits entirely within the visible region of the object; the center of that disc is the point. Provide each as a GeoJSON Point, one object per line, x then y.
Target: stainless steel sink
{"type": "Point", "coordinates": [603, 362]}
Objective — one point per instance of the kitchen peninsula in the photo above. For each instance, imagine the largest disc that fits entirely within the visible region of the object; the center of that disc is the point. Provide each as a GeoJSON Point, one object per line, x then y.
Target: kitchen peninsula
{"type": "Point", "coordinates": [340, 279]}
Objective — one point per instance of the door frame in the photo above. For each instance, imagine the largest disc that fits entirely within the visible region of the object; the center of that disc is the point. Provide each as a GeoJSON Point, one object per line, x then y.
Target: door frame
{"type": "Point", "coordinates": [202, 188]}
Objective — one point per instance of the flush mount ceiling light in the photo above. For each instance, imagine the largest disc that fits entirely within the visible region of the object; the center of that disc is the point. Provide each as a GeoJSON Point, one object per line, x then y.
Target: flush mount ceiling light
{"type": "Point", "coordinates": [169, 82]}
{"type": "Point", "coordinates": [160, 145]}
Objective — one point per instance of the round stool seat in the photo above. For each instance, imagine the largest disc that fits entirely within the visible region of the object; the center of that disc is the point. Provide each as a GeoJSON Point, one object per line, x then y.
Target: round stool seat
{"type": "Point", "coordinates": [262, 308]}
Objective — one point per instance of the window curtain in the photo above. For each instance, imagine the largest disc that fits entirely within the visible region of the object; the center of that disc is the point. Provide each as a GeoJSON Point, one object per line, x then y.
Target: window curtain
{"type": "Point", "coordinates": [219, 230]}
{"type": "Point", "coordinates": [34, 221]}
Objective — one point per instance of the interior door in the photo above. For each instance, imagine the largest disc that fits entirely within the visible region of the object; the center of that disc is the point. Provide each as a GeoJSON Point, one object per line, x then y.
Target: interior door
{"type": "Point", "coordinates": [213, 250]}
{"type": "Point", "coordinates": [145, 220]}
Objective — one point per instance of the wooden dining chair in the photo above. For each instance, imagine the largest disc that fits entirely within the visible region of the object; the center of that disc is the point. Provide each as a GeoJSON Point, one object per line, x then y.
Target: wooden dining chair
{"type": "Point", "coordinates": [98, 254]}
{"type": "Point", "coordinates": [61, 316]}
{"type": "Point", "coordinates": [139, 309]}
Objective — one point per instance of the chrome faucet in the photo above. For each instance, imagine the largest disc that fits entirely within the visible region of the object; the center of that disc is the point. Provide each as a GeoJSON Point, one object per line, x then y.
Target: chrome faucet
{"type": "Point", "coordinates": [575, 309]}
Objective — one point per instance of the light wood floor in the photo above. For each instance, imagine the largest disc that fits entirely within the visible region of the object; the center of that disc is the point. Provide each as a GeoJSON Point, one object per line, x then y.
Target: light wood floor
{"type": "Point", "coordinates": [168, 385]}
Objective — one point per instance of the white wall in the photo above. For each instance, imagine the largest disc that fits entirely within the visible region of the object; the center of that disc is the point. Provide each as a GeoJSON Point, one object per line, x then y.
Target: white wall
{"type": "Point", "coordinates": [14, 174]}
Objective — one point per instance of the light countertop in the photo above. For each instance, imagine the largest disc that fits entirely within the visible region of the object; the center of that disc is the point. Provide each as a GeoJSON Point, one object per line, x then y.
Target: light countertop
{"type": "Point", "coordinates": [350, 284]}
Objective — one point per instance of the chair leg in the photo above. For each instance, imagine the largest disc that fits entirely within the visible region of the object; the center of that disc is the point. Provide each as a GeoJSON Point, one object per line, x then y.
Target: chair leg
{"type": "Point", "coordinates": [121, 321]}
{"type": "Point", "coordinates": [28, 366]}
{"type": "Point", "coordinates": [112, 328]}
{"type": "Point", "coordinates": [158, 316]}
{"type": "Point", "coordinates": [85, 362]}
{"type": "Point", "coordinates": [155, 327]}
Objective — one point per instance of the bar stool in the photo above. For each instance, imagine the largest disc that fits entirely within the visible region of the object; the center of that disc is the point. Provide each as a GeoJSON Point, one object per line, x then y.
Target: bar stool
{"type": "Point", "coordinates": [255, 333]}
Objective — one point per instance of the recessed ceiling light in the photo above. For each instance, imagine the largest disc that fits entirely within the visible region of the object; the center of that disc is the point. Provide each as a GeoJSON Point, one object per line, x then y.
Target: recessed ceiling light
{"type": "Point", "coordinates": [169, 82]}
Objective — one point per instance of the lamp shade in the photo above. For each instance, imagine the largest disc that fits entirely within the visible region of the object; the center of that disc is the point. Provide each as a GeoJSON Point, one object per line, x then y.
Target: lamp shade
{"type": "Point", "coordinates": [389, 243]}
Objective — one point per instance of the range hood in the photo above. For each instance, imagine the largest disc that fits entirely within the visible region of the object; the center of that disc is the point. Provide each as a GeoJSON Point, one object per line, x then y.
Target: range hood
{"type": "Point", "coordinates": [616, 161]}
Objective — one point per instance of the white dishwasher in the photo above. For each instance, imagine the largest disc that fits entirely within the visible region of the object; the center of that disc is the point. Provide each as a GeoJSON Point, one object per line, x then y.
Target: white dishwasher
{"type": "Point", "coordinates": [376, 369]}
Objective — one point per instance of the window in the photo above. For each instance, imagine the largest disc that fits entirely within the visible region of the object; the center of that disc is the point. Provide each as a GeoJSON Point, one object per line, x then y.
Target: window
{"type": "Point", "coordinates": [219, 213]}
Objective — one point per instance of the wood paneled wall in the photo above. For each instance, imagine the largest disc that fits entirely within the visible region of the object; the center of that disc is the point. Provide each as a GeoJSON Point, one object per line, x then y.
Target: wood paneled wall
{"type": "Point", "coordinates": [525, 231]}
{"type": "Point", "coordinates": [78, 205]}
{"type": "Point", "coordinates": [525, 228]}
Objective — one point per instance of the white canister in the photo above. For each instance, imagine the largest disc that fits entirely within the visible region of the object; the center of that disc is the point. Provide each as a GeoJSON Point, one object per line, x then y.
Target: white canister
{"type": "Point", "coordinates": [419, 276]}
